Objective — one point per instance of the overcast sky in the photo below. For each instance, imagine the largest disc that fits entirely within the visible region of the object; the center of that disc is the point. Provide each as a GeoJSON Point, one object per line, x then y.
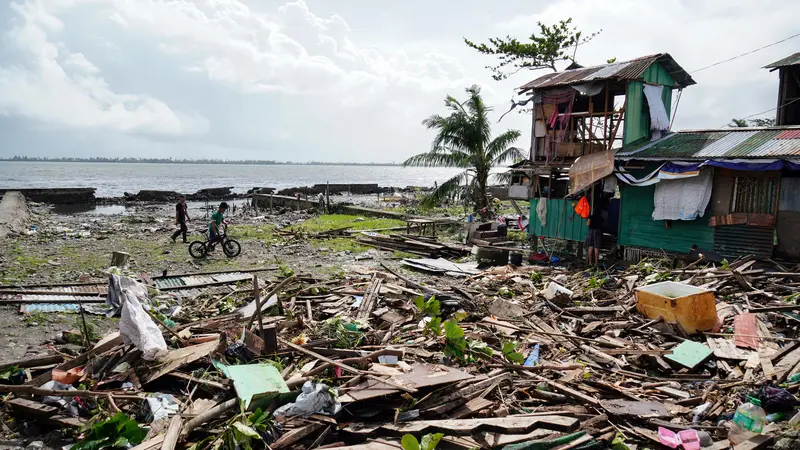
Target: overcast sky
{"type": "Point", "coordinates": [332, 80]}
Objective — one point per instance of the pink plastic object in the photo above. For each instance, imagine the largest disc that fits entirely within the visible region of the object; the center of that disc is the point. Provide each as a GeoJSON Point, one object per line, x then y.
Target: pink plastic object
{"type": "Point", "coordinates": [686, 438]}
{"type": "Point", "coordinates": [668, 438]}
{"type": "Point", "coordinates": [689, 439]}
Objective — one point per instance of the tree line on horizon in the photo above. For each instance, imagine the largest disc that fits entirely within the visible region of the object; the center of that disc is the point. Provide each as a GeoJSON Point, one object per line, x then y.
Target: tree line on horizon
{"type": "Point", "coordinates": [100, 159]}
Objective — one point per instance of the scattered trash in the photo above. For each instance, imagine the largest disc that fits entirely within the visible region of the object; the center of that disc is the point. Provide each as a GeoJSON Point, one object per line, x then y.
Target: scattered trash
{"type": "Point", "coordinates": [315, 398]}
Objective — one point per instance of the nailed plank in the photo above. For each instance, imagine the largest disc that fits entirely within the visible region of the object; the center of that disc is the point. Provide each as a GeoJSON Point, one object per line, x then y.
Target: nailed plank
{"type": "Point", "coordinates": [31, 408]}
{"type": "Point", "coordinates": [465, 427]}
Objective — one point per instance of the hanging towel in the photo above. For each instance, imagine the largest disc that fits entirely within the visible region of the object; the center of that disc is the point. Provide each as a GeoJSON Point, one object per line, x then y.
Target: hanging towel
{"type": "Point", "coordinates": [683, 199]}
{"type": "Point", "coordinates": [659, 120]}
{"type": "Point", "coordinates": [541, 211]}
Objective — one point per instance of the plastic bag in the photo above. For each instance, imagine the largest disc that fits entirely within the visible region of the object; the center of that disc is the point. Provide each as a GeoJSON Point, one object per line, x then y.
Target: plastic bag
{"type": "Point", "coordinates": [162, 406]}
{"type": "Point", "coordinates": [582, 208]}
{"type": "Point", "coordinates": [315, 398]}
{"type": "Point", "coordinates": [775, 399]}
{"type": "Point", "coordinates": [137, 328]}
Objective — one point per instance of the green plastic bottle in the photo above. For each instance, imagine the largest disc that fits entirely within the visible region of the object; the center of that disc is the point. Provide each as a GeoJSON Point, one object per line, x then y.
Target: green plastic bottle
{"type": "Point", "coordinates": [748, 421]}
{"type": "Point", "coordinates": [794, 378]}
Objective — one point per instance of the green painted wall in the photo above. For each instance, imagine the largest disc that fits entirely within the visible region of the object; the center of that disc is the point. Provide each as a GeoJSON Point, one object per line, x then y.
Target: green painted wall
{"type": "Point", "coordinates": [562, 222]}
{"type": "Point", "coordinates": [637, 118]}
{"type": "Point", "coordinates": [637, 227]}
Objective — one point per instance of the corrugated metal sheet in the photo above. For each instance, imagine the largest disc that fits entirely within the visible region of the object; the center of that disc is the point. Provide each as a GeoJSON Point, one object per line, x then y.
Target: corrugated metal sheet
{"type": "Point", "coordinates": [88, 290]}
{"type": "Point", "coordinates": [623, 70]}
{"type": "Point", "coordinates": [637, 227]}
{"type": "Point", "coordinates": [562, 222]}
{"type": "Point", "coordinates": [726, 143]}
{"type": "Point", "coordinates": [733, 241]}
{"type": "Point", "coordinates": [169, 282]}
{"type": "Point", "coordinates": [68, 308]}
{"type": "Point", "coordinates": [788, 61]}
{"type": "Point", "coordinates": [232, 277]}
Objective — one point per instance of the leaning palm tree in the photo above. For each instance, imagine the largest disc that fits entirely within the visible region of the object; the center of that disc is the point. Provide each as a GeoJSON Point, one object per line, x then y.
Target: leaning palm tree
{"type": "Point", "coordinates": [464, 140]}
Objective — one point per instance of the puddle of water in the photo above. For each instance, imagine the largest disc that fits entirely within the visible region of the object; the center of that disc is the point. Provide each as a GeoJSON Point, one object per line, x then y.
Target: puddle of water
{"type": "Point", "coordinates": [104, 210]}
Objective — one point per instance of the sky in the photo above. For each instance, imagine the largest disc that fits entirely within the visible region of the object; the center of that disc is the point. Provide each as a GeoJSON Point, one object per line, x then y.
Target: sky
{"type": "Point", "coordinates": [333, 80]}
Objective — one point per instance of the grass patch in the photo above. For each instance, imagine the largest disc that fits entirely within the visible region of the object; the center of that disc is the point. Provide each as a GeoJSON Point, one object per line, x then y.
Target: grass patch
{"type": "Point", "coordinates": [335, 221]}
{"type": "Point", "coordinates": [20, 264]}
{"type": "Point", "coordinates": [254, 232]}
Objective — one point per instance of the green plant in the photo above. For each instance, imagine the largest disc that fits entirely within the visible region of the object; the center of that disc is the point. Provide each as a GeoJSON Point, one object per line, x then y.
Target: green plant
{"type": "Point", "coordinates": [9, 372]}
{"type": "Point", "coordinates": [285, 271]}
{"type": "Point", "coordinates": [434, 326]}
{"type": "Point", "coordinates": [595, 282]}
{"type": "Point", "coordinates": [458, 347]}
{"type": "Point", "coordinates": [430, 307]}
{"type": "Point", "coordinates": [511, 354]}
{"type": "Point", "coordinates": [536, 277]}
{"type": "Point", "coordinates": [505, 292]}
{"type": "Point", "coordinates": [345, 334]}
{"type": "Point", "coordinates": [240, 432]}
{"type": "Point", "coordinates": [118, 431]}
{"type": "Point", "coordinates": [429, 442]}
{"type": "Point", "coordinates": [725, 264]}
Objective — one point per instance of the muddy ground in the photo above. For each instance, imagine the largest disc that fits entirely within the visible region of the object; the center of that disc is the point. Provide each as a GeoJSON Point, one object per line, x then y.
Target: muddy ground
{"type": "Point", "coordinates": [67, 248]}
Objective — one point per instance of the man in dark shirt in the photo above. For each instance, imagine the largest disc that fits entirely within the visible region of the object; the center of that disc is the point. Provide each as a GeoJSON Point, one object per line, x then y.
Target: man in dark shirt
{"type": "Point", "coordinates": [181, 217]}
{"type": "Point", "coordinates": [594, 237]}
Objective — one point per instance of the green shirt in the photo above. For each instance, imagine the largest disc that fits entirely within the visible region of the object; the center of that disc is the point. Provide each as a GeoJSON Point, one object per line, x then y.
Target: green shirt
{"type": "Point", "coordinates": [218, 218]}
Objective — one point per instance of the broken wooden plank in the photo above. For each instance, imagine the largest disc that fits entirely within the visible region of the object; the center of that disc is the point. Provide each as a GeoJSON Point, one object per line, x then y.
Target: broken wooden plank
{"type": "Point", "coordinates": [464, 427]}
{"type": "Point", "coordinates": [643, 409]}
{"type": "Point", "coordinates": [33, 409]}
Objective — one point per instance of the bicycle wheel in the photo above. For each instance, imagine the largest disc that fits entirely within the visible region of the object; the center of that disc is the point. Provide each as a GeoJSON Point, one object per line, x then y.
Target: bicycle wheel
{"type": "Point", "coordinates": [231, 248]}
{"type": "Point", "coordinates": [197, 249]}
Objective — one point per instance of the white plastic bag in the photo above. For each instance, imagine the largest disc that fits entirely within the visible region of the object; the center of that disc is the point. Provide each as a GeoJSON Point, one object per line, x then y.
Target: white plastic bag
{"type": "Point", "coordinates": [315, 398]}
{"type": "Point", "coordinates": [137, 328]}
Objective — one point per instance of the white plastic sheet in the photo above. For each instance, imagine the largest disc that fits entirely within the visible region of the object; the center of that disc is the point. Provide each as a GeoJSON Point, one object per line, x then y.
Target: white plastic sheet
{"type": "Point", "coordinates": [137, 328]}
{"type": "Point", "coordinates": [659, 120]}
{"type": "Point", "coordinates": [315, 398]}
{"type": "Point", "coordinates": [683, 199]}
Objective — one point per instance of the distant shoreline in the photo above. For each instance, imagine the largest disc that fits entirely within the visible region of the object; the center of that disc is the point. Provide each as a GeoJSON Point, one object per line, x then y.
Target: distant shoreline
{"type": "Point", "coordinates": [192, 161]}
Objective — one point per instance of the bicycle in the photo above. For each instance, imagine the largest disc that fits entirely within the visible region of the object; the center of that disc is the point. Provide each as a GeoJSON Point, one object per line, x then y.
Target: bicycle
{"type": "Point", "coordinates": [201, 249]}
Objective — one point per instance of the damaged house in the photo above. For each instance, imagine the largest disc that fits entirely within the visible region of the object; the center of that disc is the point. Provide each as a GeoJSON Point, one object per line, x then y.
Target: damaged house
{"type": "Point", "coordinates": [723, 193]}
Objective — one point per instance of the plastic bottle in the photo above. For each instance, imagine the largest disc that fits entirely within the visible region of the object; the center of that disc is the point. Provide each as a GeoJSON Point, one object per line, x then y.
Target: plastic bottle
{"type": "Point", "coordinates": [748, 421]}
{"type": "Point", "coordinates": [794, 379]}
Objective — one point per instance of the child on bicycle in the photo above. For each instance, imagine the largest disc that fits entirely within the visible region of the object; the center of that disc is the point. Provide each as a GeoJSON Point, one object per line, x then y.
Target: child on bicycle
{"type": "Point", "coordinates": [216, 220]}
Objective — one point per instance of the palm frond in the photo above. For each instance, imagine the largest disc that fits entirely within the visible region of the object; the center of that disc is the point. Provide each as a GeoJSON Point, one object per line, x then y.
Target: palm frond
{"type": "Point", "coordinates": [438, 159]}
{"type": "Point", "coordinates": [444, 191]}
{"type": "Point", "coordinates": [503, 178]}
{"type": "Point", "coordinates": [501, 148]}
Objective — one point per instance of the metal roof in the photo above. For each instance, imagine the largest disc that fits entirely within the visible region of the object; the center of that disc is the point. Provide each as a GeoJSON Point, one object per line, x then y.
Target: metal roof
{"type": "Point", "coordinates": [623, 70]}
{"type": "Point", "coordinates": [769, 142]}
{"type": "Point", "coordinates": [788, 61]}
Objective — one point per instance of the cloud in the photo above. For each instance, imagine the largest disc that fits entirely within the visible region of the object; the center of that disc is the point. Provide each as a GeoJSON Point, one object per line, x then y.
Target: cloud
{"type": "Point", "coordinates": [48, 83]}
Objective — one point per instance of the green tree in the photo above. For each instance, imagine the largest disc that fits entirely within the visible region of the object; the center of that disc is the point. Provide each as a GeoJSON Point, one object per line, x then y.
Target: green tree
{"type": "Point", "coordinates": [743, 123]}
{"type": "Point", "coordinates": [464, 140]}
{"type": "Point", "coordinates": [552, 44]}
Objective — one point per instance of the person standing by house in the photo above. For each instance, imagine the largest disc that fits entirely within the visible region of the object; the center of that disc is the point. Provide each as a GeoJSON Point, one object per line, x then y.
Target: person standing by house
{"type": "Point", "coordinates": [181, 217]}
{"type": "Point", "coordinates": [594, 237]}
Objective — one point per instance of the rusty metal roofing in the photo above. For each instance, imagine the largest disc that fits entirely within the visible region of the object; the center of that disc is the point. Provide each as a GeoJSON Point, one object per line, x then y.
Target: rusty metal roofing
{"type": "Point", "coordinates": [788, 61]}
{"type": "Point", "coordinates": [742, 143]}
{"type": "Point", "coordinates": [623, 70]}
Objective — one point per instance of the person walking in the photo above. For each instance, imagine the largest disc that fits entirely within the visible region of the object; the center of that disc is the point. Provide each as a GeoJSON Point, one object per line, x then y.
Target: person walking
{"type": "Point", "coordinates": [181, 217]}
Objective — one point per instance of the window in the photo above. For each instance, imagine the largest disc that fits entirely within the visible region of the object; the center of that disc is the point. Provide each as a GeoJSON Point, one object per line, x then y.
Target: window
{"type": "Point", "coordinates": [755, 195]}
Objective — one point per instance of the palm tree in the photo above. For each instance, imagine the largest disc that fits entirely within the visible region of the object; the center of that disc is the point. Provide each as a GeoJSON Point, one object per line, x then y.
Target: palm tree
{"type": "Point", "coordinates": [464, 140]}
